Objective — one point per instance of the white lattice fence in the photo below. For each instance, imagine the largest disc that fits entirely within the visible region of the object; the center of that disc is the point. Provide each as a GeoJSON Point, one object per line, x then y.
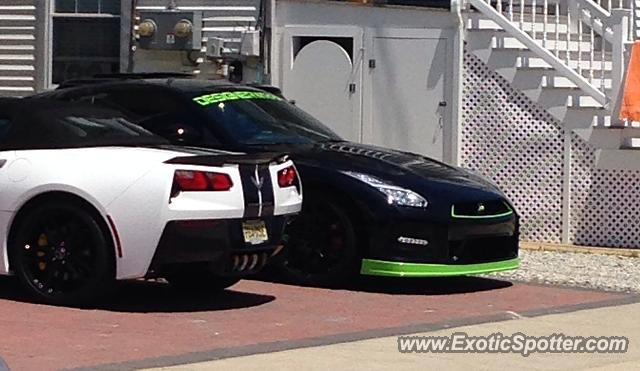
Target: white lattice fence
{"type": "Point", "coordinates": [605, 203]}
{"type": "Point", "coordinates": [509, 138]}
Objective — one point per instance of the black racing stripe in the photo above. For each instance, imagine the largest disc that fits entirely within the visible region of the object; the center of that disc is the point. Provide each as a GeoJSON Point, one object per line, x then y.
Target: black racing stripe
{"type": "Point", "coordinates": [268, 199]}
{"type": "Point", "coordinates": [250, 191]}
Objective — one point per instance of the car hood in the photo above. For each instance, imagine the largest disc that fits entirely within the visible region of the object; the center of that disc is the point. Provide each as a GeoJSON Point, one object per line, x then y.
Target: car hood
{"type": "Point", "coordinates": [401, 168]}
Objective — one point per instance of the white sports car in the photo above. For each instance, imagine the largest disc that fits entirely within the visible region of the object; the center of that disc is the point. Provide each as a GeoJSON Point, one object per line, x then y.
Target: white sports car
{"type": "Point", "coordinates": [86, 198]}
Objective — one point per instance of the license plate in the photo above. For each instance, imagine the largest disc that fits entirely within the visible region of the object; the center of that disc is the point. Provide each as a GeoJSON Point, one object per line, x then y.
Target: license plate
{"type": "Point", "coordinates": [255, 232]}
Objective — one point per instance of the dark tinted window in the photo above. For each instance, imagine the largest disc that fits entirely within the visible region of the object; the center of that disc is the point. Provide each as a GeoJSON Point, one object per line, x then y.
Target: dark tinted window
{"type": "Point", "coordinates": [90, 126]}
{"type": "Point", "coordinates": [84, 47]}
{"type": "Point", "coordinates": [158, 111]}
{"type": "Point", "coordinates": [138, 103]}
{"type": "Point", "coordinates": [179, 128]}
{"type": "Point", "coordinates": [5, 125]}
{"type": "Point", "coordinates": [262, 121]}
{"type": "Point", "coordinates": [52, 125]}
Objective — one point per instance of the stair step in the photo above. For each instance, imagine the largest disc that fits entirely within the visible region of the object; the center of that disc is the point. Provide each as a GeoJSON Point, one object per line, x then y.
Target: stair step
{"type": "Point", "coordinates": [481, 23]}
{"type": "Point", "coordinates": [574, 98]}
{"type": "Point", "coordinates": [563, 82]}
{"type": "Point", "coordinates": [510, 42]}
{"type": "Point", "coordinates": [609, 137]}
{"type": "Point", "coordinates": [524, 58]}
{"type": "Point", "coordinates": [537, 78]}
{"type": "Point", "coordinates": [580, 117]}
{"type": "Point", "coordinates": [586, 66]}
{"type": "Point", "coordinates": [551, 29]}
{"type": "Point", "coordinates": [618, 159]}
{"type": "Point", "coordinates": [585, 57]}
{"type": "Point", "coordinates": [631, 143]}
{"type": "Point", "coordinates": [550, 36]}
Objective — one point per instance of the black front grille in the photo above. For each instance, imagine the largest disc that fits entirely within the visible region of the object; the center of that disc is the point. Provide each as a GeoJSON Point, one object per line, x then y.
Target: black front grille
{"type": "Point", "coordinates": [483, 250]}
{"type": "Point", "coordinates": [481, 209]}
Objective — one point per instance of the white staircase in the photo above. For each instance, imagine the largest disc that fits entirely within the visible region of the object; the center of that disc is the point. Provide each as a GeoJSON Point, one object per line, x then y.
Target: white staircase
{"type": "Point", "coordinates": [568, 56]}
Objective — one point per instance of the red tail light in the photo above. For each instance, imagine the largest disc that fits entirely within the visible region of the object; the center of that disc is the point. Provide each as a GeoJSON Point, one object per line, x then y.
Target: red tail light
{"type": "Point", "coordinates": [288, 177]}
{"type": "Point", "coordinates": [200, 181]}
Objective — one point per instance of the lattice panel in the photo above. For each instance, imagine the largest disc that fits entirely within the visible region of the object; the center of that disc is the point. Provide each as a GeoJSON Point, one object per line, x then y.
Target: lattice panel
{"type": "Point", "coordinates": [605, 204]}
{"type": "Point", "coordinates": [508, 138]}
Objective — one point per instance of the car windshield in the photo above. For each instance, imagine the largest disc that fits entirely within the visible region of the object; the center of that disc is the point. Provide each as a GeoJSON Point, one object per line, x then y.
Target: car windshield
{"type": "Point", "coordinates": [260, 118]}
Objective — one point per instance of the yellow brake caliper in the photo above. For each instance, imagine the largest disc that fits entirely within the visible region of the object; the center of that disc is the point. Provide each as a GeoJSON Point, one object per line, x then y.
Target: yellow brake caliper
{"type": "Point", "coordinates": [43, 241]}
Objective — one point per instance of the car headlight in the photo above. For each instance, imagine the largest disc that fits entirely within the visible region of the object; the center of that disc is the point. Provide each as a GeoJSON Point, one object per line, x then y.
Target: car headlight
{"type": "Point", "coordinates": [395, 195]}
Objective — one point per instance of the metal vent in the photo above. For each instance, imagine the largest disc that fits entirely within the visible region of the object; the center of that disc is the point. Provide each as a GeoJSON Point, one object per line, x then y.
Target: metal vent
{"type": "Point", "coordinates": [488, 209]}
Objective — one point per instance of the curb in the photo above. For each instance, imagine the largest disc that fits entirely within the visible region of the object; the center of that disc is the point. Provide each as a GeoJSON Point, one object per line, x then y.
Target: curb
{"type": "Point", "coordinates": [542, 246]}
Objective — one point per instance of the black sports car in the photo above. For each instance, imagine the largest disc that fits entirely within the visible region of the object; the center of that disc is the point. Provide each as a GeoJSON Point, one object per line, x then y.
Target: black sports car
{"type": "Point", "coordinates": [367, 209]}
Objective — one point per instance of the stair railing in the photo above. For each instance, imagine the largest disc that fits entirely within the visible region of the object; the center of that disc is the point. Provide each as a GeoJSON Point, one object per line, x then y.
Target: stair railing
{"type": "Point", "coordinates": [612, 27]}
{"type": "Point", "coordinates": [580, 39]}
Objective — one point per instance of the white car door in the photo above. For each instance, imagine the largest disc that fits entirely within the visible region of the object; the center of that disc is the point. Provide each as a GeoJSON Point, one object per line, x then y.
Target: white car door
{"type": "Point", "coordinates": [6, 158]}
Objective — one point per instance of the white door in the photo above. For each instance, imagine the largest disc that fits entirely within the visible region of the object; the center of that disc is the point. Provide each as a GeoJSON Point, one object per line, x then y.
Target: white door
{"type": "Point", "coordinates": [408, 109]}
{"type": "Point", "coordinates": [323, 74]}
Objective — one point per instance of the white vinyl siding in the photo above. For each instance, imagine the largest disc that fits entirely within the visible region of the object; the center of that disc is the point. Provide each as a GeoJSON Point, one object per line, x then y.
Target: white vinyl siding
{"type": "Point", "coordinates": [17, 47]}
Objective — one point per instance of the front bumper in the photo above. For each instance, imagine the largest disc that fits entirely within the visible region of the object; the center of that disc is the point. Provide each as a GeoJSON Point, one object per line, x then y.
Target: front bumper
{"type": "Point", "coordinates": [217, 244]}
{"type": "Point", "coordinates": [400, 269]}
{"type": "Point", "coordinates": [419, 248]}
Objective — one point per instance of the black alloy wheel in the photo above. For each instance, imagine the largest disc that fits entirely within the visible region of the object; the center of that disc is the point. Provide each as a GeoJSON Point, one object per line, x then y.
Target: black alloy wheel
{"type": "Point", "coordinates": [61, 255]}
{"type": "Point", "coordinates": [320, 245]}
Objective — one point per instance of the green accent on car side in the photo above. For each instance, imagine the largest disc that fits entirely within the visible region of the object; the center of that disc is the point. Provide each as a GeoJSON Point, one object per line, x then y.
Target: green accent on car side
{"type": "Point", "coordinates": [399, 269]}
{"type": "Point", "coordinates": [227, 96]}
{"type": "Point", "coordinates": [493, 216]}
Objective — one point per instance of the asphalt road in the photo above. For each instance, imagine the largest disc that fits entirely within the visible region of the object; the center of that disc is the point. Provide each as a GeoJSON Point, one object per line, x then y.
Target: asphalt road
{"type": "Point", "coordinates": [152, 325]}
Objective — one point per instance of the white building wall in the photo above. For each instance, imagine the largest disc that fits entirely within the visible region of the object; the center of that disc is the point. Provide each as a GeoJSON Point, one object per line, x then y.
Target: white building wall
{"type": "Point", "coordinates": [322, 13]}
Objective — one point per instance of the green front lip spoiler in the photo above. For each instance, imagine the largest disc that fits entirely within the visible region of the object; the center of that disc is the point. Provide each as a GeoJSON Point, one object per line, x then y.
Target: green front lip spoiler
{"type": "Point", "coordinates": [399, 269]}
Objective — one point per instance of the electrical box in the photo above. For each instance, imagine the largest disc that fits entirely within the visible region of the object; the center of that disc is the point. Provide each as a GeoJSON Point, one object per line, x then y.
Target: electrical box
{"type": "Point", "coordinates": [215, 47]}
{"type": "Point", "coordinates": [170, 30]}
{"type": "Point", "coordinates": [250, 46]}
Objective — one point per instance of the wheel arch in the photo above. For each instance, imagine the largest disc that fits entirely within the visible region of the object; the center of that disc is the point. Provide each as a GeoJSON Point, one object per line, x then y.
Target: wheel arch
{"type": "Point", "coordinates": [58, 195]}
{"type": "Point", "coordinates": [355, 208]}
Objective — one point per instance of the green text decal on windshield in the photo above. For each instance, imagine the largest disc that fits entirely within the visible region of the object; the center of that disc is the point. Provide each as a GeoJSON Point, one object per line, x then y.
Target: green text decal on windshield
{"type": "Point", "coordinates": [205, 100]}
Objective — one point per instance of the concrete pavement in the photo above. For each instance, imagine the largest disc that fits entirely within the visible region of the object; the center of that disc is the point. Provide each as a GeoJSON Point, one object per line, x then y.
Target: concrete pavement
{"type": "Point", "coordinates": [151, 325]}
{"type": "Point", "coordinates": [382, 353]}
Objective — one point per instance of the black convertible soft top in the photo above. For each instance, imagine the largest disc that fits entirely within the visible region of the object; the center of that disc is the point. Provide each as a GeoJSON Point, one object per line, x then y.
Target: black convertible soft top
{"type": "Point", "coordinates": [51, 124]}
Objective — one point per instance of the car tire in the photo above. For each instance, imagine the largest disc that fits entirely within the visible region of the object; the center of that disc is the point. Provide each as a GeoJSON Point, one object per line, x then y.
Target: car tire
{"type": "Point", "coordinates": [200, 280]}
{"type": "Point", "coordinates": [318, 253]}
{"type": "Point", "coordinates": [62, 254]}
